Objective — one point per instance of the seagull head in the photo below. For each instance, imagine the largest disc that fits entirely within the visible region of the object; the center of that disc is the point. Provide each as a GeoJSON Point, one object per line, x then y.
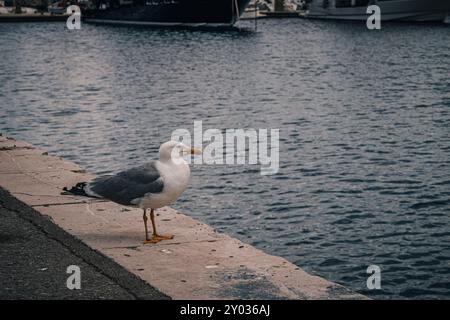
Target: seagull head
{"type": "Point", "coordinates": [173, 150]}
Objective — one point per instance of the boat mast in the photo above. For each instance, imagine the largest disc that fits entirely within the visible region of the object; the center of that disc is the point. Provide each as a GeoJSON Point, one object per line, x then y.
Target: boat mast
{"type": "Point", "coordinates": [232, 13]}
{"type": "Point", "coordinates": [17, 6]}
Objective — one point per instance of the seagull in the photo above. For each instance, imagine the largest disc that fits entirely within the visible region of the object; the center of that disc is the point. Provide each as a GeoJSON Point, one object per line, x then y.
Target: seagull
{"type": "Point", "coordinates": [150, 186]}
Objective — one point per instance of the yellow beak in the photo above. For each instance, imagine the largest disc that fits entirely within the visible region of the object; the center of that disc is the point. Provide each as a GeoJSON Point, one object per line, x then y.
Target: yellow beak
{"type": "Point", "coordinates": [196, 151]}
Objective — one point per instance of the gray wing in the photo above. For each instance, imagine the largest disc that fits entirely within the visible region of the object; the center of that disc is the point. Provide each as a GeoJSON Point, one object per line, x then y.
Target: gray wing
{"type": "Point", "coordinates": [128, 185]}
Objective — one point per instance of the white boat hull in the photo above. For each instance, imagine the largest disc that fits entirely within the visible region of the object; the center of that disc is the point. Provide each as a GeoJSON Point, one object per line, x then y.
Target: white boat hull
{"type": "Point", "coordinates": [394, 10]}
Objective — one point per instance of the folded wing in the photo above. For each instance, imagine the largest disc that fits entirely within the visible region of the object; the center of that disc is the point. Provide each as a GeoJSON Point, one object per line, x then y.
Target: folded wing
{"type": "Point", "coordinates": [128, 185]}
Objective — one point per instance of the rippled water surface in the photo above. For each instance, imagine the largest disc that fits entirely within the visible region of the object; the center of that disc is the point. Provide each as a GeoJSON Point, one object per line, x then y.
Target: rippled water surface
{"type": "Point", "coordinates": [364, 127]}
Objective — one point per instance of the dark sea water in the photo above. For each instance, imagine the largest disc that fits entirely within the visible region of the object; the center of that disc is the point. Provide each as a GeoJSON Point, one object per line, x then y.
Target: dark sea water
{"type": "Point", "coordinates": [363, 115]}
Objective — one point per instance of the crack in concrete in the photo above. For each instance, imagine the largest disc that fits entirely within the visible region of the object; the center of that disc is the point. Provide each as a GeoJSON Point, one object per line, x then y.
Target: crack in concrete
{"type": "Point", "coordinates": [161, 244]}
{"type": "Point", "coordinates": [64, 203]}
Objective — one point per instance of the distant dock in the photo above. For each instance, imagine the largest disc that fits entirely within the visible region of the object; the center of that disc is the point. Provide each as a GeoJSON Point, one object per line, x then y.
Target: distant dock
{"type": "Point", "coordinates": [282, 14]}
{"type": "Point", "coordinates": [250, 14]}
{"type": "Point", "coordinates": [37, 17]}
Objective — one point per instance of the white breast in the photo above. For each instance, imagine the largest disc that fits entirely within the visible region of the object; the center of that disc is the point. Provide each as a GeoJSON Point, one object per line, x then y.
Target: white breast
{"type": "Point", "coordinates": [175, 177]}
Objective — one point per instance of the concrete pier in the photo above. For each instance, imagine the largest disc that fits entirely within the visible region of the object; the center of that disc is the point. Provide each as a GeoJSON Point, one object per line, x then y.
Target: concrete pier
{"type": "Point", "coordinates": [198, 263]}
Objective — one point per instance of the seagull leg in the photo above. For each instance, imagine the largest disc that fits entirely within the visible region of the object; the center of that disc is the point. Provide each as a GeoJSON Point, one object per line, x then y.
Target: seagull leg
{"type": "Point", "coordinates": [145, 226]}
{"type": "Point", "coordinates": [156, 236]}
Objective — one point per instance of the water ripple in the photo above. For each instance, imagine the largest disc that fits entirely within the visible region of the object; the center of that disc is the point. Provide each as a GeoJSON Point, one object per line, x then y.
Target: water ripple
{"type": "Point", "coordinates": [364, 131]}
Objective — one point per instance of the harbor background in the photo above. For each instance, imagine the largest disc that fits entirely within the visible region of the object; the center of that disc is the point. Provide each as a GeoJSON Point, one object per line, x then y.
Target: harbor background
{"type": "Point", "coordinates": [363, 117]}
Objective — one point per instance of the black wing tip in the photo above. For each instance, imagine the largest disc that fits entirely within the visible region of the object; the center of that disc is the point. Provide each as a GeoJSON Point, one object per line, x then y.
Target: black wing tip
{"type": "Point", "coordinates": [77, 190]}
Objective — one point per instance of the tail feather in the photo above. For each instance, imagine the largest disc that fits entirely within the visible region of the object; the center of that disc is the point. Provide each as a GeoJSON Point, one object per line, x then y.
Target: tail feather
{"type": "Point", "coordinates": [77, 190]}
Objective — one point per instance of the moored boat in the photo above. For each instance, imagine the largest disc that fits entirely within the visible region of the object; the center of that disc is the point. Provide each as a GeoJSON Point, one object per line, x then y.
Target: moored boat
{"type": "Point", "coordinates": [166, 12]}
{"type": "Point", "coordinates": [399, 10]}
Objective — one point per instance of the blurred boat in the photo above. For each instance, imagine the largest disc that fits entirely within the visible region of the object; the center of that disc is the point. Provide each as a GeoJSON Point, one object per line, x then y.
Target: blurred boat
{"type": "Point", "coordinates": [195, 13]}
{"type": "Point", "coordinates": [255, 10]}
{"type": "Point", "coordinates": [59, 7]}
{"type": "Point", "coordinates": [24, 10]}
{"type": "Point", "coordinates": [398, 10]}
{"type": "Point", "coordinates": [6, 10]}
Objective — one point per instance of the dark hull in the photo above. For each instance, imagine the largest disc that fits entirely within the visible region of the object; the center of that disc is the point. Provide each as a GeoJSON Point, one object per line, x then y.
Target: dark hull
{"type": "Point", "coordinates": [168, 12]}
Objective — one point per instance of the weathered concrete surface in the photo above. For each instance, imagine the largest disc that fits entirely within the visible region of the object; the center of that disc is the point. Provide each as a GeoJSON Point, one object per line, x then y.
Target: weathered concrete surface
{"type": "Point", "coordinates": [198, 263]}
{"type": "Point", "coordinates": [35, 254]}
